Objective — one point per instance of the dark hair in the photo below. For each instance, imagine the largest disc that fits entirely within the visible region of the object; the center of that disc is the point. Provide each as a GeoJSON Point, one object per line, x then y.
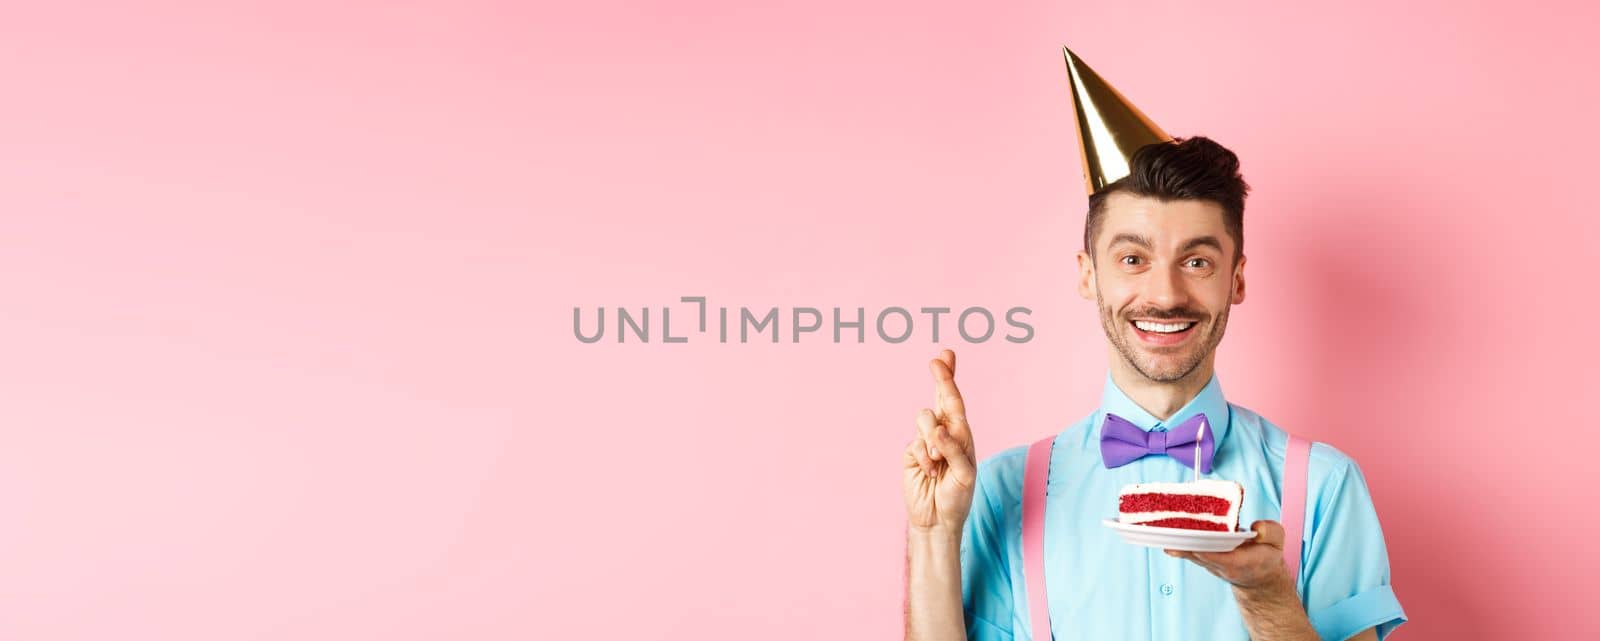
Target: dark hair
{"type": "Point", "coordinates": [1186, 168]}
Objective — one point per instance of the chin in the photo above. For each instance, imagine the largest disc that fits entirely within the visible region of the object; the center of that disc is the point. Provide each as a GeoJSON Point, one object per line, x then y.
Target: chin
{"type": "Point", "coordinates": [1169, 369]}
{"type": "Point", "coordinates": [1165, 376]}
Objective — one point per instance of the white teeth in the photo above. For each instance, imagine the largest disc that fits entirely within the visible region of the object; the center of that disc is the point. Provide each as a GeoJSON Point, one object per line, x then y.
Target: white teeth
{"type": "Point", "coordinates": [1161, 328]}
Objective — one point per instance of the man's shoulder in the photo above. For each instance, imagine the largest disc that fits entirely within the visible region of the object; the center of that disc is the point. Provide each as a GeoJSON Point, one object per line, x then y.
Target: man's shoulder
{"type": "Point", "coordinates": [1010, 461]}
{"type": "Point", "coordinates": [1012, 456]}
{"type": "Point", "coordinates": [1326, 459]}
{"type": "Point", "coordinates": [1000, 474]}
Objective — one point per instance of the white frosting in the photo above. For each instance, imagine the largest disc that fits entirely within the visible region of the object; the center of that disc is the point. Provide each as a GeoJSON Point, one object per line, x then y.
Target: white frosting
{"type": "Point", "coordinates": [1145, 517]}
{"type": "Point", "coordinates": [1229, 491]}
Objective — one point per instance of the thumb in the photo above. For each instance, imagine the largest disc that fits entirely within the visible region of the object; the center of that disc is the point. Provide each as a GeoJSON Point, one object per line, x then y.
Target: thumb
{"type": "Point", "coordinates": [956, 455]}
{"type": "Point", "coordinates": [1268, 533]}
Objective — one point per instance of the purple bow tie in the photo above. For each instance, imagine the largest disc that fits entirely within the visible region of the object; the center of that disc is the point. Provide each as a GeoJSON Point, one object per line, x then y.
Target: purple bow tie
{"type": "Point", "coordinates": [1122, 442]}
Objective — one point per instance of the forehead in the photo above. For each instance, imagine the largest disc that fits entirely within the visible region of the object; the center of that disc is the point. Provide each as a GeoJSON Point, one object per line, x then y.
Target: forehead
{"type": "Point", "coordinates": [1168, 224]}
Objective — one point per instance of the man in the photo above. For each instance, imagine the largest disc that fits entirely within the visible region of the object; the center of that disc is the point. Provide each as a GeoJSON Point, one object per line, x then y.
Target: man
{"type": "Point", "coordinates": [1163, 259]}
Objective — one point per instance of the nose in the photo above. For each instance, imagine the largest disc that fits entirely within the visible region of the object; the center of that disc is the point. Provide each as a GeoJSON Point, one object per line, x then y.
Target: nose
{"type": "Point", "coordinates": [1165, 288]}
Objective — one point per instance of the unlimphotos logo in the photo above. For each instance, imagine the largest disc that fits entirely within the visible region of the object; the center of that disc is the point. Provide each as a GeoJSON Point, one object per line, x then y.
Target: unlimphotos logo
{"type": "Point", "coordinates": [891, 324]}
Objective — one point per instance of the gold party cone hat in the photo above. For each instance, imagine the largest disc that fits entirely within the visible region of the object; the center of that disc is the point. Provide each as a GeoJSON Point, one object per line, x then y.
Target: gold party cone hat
{"type": "Point", "coordinates": [1110, 128]}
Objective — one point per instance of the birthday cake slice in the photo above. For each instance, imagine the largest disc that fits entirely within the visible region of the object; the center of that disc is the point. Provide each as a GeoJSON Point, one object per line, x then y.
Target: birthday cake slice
{"type": "Point", "coordinates": [1206, 504]}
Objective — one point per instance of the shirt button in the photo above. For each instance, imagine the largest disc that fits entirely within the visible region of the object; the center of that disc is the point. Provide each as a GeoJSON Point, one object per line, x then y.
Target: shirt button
{"type": "Point", "coordinates": [1166, 589]}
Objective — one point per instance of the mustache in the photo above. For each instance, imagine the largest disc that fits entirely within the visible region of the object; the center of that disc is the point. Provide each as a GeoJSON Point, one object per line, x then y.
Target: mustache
{"type": "Point", "coordinates": [1167, 314]}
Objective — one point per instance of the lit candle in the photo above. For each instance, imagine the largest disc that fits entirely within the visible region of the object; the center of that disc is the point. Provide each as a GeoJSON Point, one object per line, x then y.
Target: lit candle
{"type": "Point", "coordinates": [1200, 437]}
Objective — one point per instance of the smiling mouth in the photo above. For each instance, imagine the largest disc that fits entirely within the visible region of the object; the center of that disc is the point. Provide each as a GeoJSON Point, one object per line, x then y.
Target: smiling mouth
{"type": "Point", "coordinates": [1163, 332]}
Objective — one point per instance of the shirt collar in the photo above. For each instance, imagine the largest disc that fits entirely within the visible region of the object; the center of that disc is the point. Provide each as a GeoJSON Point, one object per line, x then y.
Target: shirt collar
{"type": "Point", "coordinates": [1209, 401]}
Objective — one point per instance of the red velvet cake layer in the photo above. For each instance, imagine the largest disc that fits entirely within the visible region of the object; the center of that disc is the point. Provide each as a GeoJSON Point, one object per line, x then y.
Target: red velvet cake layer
{"type": "Point", "coordinates": [1190, 503]}
{"type": "Point", "coordinates": [1186, 524]}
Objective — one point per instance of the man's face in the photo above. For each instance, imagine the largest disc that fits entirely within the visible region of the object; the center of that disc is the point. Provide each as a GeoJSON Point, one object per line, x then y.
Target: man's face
{"type": "Point", "coordinates": [1164, 279]}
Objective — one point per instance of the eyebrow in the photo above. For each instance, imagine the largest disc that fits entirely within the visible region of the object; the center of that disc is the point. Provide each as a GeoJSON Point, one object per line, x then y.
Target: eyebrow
{"type": "Point", "coordinates": [1142, 241]}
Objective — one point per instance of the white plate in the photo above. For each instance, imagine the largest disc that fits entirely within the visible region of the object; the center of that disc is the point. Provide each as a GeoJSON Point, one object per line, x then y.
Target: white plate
{"type": "Point", "coordinates": [1179, 539]}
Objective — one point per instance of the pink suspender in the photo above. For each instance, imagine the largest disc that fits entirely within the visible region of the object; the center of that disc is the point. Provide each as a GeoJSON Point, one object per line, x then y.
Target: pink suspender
{"type": "Point", "coordinates": [1035, 480]}
{"type": "Point", "coordinates": [1295, 461]}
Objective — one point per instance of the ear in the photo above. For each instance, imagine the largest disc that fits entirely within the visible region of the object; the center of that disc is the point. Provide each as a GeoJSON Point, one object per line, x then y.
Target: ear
{"type": "Point", "coordinates": [1238, 281]}
{"type": "Point", "coordinates": [1085, 275]}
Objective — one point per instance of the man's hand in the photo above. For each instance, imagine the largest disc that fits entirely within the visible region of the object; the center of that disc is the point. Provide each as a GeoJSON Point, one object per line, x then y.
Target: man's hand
{"type": "Point", "coordinates": [939, 480]}
{"type": "Point", "coordinates": [938, 463]}
{"type": "Point", "coordinates": [1255, 565]}
{"type": "Point", "coordinates": [1262, 586]}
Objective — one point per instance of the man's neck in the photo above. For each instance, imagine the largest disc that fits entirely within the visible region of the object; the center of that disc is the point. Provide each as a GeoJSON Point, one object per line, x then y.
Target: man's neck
{"type": "Point", "coordinates": [1161, 400]}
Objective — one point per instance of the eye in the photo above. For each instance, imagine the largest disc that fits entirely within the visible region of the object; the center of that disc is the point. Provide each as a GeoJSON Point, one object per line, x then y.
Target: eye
{"type": "Point", "coordinates": [1202, 262]}
{"type": "Point", "coordinates": [1125, 259]}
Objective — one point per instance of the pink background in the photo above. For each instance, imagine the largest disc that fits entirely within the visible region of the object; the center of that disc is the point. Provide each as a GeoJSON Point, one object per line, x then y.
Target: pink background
{"type": "Point", "coordinates": [286, 298]}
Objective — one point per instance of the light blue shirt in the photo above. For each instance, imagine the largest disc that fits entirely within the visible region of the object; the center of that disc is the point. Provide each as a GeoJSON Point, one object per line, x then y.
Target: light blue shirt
{"type": "Point", "coordinates": [1102, 588]}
